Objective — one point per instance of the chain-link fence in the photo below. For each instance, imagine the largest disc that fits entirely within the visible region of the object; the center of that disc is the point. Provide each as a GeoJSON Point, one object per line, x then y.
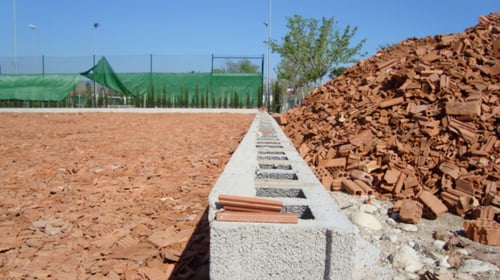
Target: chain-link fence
{"type": "Point", "coordinates": [121, 63]}
{"type": "Point", "coordinates": [150, 81]}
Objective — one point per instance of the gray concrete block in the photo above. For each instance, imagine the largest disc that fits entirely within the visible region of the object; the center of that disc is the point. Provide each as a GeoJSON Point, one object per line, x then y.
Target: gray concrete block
{"type": "Point", "coordinates": [319, 246]}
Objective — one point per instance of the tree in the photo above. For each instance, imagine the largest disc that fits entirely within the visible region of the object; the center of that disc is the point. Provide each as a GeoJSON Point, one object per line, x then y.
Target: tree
{"type": "Point", "coordinates": [88, 90]}
{"type": "Point", "coordinates": [277, 101]}
{"type": "Point", "coordinates": [289, 71]}
{"type": "Point", "coordinates": [313, 51]}
{"type": "Point", "coordinates": [242, 66]}
{"type": "Point", "coordinates": [337, 72]}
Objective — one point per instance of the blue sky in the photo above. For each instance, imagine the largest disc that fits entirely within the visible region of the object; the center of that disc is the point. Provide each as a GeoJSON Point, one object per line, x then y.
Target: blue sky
{"type": "Point", "coordinates": [221, 27]}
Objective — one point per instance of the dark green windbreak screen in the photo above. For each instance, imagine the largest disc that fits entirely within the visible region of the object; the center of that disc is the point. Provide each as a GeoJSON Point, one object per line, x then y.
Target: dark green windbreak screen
{"type": "Point", "coordinates": [182, 89]}
{"type": "Point", "coordinates": [145, 89]}
{"type": "Point", "coordinates": [190, 88]}
{"type": "Point", "coordinates": [104, 75]}
{"type": "Point", "coordinates": [48, 87]}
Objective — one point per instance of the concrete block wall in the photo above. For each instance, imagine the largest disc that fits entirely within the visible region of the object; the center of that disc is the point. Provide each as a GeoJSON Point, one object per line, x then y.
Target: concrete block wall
{"type": "Point", "coordinates": [320, 246]}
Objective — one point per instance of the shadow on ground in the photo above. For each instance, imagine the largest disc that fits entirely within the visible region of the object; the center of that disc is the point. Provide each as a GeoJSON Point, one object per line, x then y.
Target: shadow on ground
{"type": "Point", "coordinates": [195, 259]}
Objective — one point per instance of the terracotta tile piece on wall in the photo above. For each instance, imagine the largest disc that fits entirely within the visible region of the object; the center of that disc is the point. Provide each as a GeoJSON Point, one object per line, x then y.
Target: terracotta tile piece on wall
{"type": "Point", "coordinates": [260, 217]}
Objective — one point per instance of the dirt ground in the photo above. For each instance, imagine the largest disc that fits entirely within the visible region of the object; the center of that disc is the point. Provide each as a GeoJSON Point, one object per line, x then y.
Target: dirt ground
{"type": "Point", "coordinates": [109, 195]}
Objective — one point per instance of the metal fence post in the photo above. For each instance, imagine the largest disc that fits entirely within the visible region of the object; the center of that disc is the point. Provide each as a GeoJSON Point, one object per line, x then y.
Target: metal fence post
{"type": "Point", "coordinates": [95, 93]}
{"type": "Point", "coordinates": [262, 72]}
{"type": "Point", "coordinates": [212, 66]}
{"type": "Point", "coordinates": [43, 65]}
{"type": "Point", "coordinates": [151, 78]}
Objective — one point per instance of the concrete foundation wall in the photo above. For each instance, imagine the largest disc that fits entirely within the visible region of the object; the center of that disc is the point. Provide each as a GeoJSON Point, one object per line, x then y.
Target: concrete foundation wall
{"type": "Point", "coordinates": [320, 246]}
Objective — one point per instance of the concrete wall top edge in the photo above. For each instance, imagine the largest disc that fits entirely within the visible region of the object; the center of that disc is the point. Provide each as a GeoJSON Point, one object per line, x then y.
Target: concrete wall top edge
{"type": "Point", "coordinates": [239, 173]}
{"type": "Point", "coordinates": [239, 178]}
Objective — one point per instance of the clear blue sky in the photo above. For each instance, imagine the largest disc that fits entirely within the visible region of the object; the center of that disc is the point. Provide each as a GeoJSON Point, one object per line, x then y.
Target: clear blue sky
{"type": "Point", "coordinates": [221, 27]}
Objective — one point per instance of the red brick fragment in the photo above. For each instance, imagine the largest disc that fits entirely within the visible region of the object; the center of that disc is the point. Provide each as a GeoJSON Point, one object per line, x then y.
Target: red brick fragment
{"type": "Point", "coordinates": [450, 169]}
{"type": "Point", "coordinates": [392, 102]}
{"type": "Point", "coordinates": [303, 150]}
{"type": "Point", "coordinates": [496, 48]}
{"type": "Point", "coordinates": [465, 204]}
{"type": "Point", "coordinates": [336, 163]}
{"type": "Point", "coordinates": [361, 175]}
{"type": "Point", "coordinates": [485, 212]}
{"type": "Point", "coordinates": [463, 108]}
{"type": "Point", "coordinates": [327, 182]}
{"type": "Point", "coordinates": [391, 176]}
{"type": "Point", "coordinates": [411, 211]}
{"type": "Point", "coordinates": [352, 188]}
{"type": "Point", "coordinates": [364, 186]}
{"type": "Point", "coordinates": [435, 206]}
{"type": "Point", "coordinates": [483, 231]}
{"type": "Point", "coordinates": [492, 199]}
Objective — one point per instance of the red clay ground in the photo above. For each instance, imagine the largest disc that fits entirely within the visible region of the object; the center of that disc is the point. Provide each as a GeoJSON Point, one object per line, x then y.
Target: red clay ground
{"type": "Point", "coordinates": [109, 195]}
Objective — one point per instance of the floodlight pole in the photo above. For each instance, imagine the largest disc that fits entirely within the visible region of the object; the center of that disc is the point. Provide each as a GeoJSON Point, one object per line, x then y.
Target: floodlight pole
{"type": "Point", "coordinates": [15, 34]}
{"type": "Point", "coordinates": [268, 94]}
{"type": "Point", "coordinates": [96, 25]}
{"type": "Point", "coordinates": [33, 28]}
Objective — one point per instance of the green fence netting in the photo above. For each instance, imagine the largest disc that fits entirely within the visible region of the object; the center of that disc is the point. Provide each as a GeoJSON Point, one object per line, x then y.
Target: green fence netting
{"type": "Point", "coordinates": [49, 87]}
{"type": "Point", "coordinates": [103, 73]}
{"type": "Point", "coordinates": [142, 89]}
{"type": "Point", "coordinates": [181, 89]}
{"type": "Point", "coordinates": [195, 89]}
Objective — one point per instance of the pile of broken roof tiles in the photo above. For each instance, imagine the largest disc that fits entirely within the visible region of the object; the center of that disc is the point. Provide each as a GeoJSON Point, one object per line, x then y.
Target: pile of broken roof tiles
{"type": "Point", "coordinates": [417, 123]}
